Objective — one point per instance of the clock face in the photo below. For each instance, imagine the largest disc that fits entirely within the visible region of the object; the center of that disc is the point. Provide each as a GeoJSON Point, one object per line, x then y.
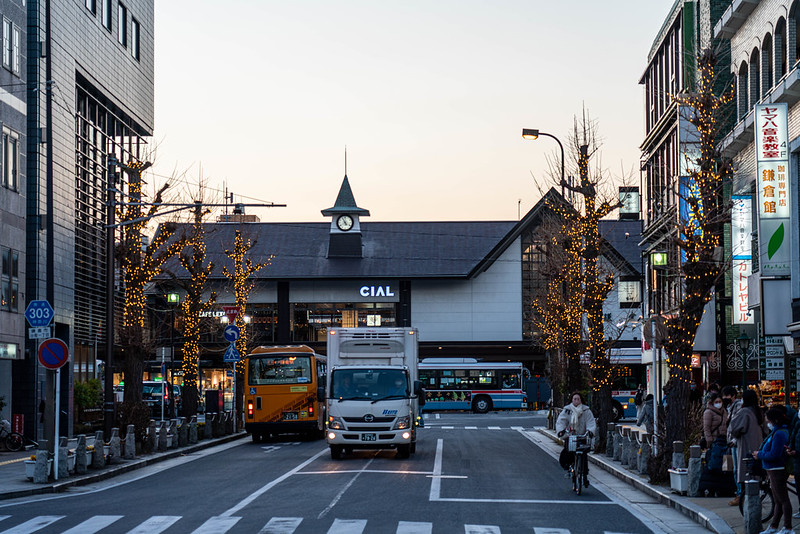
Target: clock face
{"type": "Point", "coordinates": [344, 222]}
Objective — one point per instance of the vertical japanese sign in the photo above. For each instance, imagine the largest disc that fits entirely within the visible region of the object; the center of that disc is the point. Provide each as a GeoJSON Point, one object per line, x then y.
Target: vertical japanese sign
{"type": "Point", "coordinates": [774, 215]}
{"type": "Point", "coordinates": [742, 264]}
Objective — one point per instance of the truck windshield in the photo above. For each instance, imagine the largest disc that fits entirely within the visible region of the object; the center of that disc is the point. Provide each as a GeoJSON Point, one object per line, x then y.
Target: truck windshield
{"type": "Point", "coordinates": [279, 369]}
{"type": "Point", "coordinates": [369, 384]}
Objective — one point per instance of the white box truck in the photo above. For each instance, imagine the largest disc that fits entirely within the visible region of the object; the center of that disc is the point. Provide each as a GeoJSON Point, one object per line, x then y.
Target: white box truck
{"type": "Point", "coordinates": [373, 392]}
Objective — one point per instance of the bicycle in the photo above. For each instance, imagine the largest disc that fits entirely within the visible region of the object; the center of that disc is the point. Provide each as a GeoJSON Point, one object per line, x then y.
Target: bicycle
{"type": "Point", "coordinates": [13, 441]}
{"type": "Point", "coordinates": [764, 490]}
{"type": "Point", "coordinates": [579, 444]}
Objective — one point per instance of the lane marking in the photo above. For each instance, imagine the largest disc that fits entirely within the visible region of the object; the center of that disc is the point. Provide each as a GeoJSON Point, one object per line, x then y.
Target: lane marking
{"type": "Point", "coordinates": [348, 526]}
{"type": "Point", "coordinates": [382, 471]}
{"type": "Point", "coordinates": [93, 524]}
{"type": "Point", "coordinates": [157, 523]}
{"type": "Point", "coordinates": [32, 525]}
{"type": "Point", "coordinates": [256, 494]}
{"type": "Point", "coordinates": [281, 525]}
{"type": "Point", "coordinates": [470, 428]}
{"type": "Point", "coordinates": [342, 492]}
{"type": "Point", "coordinates": [411, 527]}
{"type": "Point", "coordinates": [494, 428]}
{"type": "Point", "coordinates": [436, 481]}
{"type": "Point", "coordinates": [540, 530]}
{"type": "Point", "coordinates": [446, 427]}
{"type": "Point", "coordinates": [481, 529]}
{"type": "Point", "coordinates": [217, 525]}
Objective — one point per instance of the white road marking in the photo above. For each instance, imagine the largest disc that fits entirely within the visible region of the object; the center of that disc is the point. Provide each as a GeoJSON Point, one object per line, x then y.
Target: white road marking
{"type": "Point", "coordinates": [348, 526]}
{"type": "Point", "coordinates": [157, 523]}
{"type": "Point", "coordinates": [446, 427]}
{"type": "Point", "coordinates": [545, 530]}
{"type": "Point", "coordinates": [436, 481]}
{"type": "Point", "coordinates": [342, 492]}
{"type": "Point", "coordinates": [481, 529]}
{"type": "Point", "coordinates": [32, 525]}
{"type": "Point", "coordinates": [517, 428]}
{"type": "Point", "coordinates": [494, 428]}
{"type": "Point", "coordinates": [93, 524]}
{"type": "Point", "coordinates": [256, 494]}
{"type": "Point", "coordinates": [270, 448]}
{"type": "Point", "coordinates": [217, 525]}
{"type": "Point", "coordinates": [4, 517]}
{"type": "Point", "coordinates": [390, 471]}
{"type": "Point", "coordinates": [281, 525]}
{"type": "Point", "coordinates": [411, 527]}
{"type": "Point", "coordinates": [470, 428]}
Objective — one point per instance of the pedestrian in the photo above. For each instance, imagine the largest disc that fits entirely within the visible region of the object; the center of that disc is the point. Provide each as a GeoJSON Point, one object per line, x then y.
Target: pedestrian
{"type": "Point", "coordinates": [732, 405]}
{"type": "Point", "coordinates": [713, 388]}
{"type": "Point", "coordinates": [638, 399]}
{"type": "Point", "coordinates": [747, 428]}
{"type": "Point", "coordinates": [714, 421]}
{"type": "Point", "coordinates": [576, 418]}
{"type": "Point", "coordinates": [773, 459]}
{"type": "Point", "coordinates": [646, 418]}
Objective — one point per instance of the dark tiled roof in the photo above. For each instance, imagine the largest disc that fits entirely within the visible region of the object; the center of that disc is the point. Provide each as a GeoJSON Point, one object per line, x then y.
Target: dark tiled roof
{"type": "Point", "coordinates": [391, 249]}
{"type": "Point", "coordinates": [614, 232]}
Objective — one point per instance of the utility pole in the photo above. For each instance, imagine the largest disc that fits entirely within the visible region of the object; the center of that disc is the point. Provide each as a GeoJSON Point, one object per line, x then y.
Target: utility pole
{"type": "Point", "coordinates": [111, 198]}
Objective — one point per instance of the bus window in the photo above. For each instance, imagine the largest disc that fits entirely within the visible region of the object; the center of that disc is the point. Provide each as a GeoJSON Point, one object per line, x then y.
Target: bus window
{"type": "Point", "coordinates": [279, 370]}
{"type": "Point", "coordinates": [510, 380]}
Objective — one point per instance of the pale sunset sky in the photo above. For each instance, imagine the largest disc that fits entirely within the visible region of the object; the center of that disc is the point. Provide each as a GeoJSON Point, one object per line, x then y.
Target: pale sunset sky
{"type": "Point", "coordinates": [429, 97]}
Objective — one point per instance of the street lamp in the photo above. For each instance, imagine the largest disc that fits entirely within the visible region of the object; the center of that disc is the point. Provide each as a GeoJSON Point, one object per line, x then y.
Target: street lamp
{"type": "Point", "coordinates": [528, 133]}
{"type": "Point", "coordinates": [743, 344]}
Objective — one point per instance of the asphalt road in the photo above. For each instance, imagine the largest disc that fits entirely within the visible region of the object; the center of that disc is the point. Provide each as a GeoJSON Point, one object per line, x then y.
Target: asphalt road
{"type": "Point", "coordinates": [471, 474]}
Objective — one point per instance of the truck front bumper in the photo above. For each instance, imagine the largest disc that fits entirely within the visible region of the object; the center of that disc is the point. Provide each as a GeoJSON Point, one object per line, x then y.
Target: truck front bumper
{"type": "Point", "coordinates": [358, 439]}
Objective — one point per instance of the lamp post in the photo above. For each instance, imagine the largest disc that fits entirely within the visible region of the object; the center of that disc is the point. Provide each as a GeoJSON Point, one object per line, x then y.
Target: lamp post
{"type": "Point", "coordinates": [529, 133]}
{"type": "Point", "coordinates": [743, 345]}
{"type": "Point", "coordinates": [174, 300]}
{"type": "Point", "coordinates": [658, 260]}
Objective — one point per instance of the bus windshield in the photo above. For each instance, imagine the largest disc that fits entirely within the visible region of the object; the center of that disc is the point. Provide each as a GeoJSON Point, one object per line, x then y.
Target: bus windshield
{"type": "Point", "coordinates": [278, 369]}
{"type": "Point", "coordinates": [369, 384]}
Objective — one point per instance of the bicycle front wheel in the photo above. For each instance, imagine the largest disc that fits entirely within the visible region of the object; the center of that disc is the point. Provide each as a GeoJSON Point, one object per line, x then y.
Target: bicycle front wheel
{"type": "Point", "coordinates": [579, 473]}
{"type": "Point", "coordinates": [15, 442]}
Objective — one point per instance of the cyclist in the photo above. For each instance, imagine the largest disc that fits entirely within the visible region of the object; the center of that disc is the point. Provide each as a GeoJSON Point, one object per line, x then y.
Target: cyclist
{"type": "Point", "coordinates": [576, 418]}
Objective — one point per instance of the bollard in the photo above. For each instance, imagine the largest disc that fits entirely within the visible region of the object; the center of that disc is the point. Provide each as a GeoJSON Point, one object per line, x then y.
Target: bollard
{"type": "Point", "coordinates": [752, 507]}
{"type": "Point", "coordinates": [115, 447]}
{"type": "Point", "coordinates": [208, 428]}
{"type": "Point", "coordinates": [611, 429]}
{"type": "Point", "coordinates": [81, 462]}
{"type": "Point", "coordinates": [633, 451]}
{"type": "Point", "coordinates": [229, 422]}
{"type": "Point", "coordinates": [98, 456]}
{"type": "Point", "coordinates": [173, 431]}
{"type": "Point", "coordinates": [216, 425]}
{"type": "Point", "coordinates": [183, 432]}
{"type": "Point", "coordinates": [130, 442]}
{"type": "Point", "coordinates": [678, 461]}
{"type": "Point", "coordinates": [624, 458]}
{"type": "Point", "coordinates": [695, 471]}
{"type": "Point", "coordinates": [162, 436]}
{"type": "Point", "coordinates": [63, 468]}
{"type": "Point", "coordinates": [618, 444]}
{"type": "Point", "coordinates": [40, 470]}
{"type": "Point", "coordinates": [193, 430]}
{"type": "Point", "coordinates": [645, 451]}
{"type": "Point", "coordinates": [152, 436]}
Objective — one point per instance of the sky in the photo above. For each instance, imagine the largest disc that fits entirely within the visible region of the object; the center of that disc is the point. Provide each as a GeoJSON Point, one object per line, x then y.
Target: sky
{"type": "Point", "coordinates": [261, 97]}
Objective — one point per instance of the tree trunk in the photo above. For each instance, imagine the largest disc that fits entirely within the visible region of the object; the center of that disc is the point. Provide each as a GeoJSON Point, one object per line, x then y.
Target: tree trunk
{"type": "Point", "coordinates": [132, 371]}
{"type": "Point", "coordinates": [189, 399]}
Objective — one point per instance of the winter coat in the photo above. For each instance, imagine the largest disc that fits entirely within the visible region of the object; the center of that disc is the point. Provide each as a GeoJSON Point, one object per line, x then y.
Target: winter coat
{"type": "Point", "coordinates": [714, 423]}
{"type": "Point", "coordinates": [734, 408]}
{"type": "Point", "coordinates": [646, 417]}
{"type": "Point", "coordinates": [744, 428]}
{"type": "Point", "coordinates": [773, 452]}
{"type": "Point", "coordinates": [576, 420]}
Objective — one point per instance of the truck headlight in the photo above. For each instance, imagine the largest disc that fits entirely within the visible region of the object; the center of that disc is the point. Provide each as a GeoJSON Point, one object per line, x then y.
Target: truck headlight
{"type": "Point", "coordinates": [335, 423]}
{"type": "Point", "coordinates": [402, 422]}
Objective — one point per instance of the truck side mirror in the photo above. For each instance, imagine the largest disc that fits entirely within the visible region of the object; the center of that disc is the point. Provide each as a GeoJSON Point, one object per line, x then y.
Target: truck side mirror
{"type": "Point", "coordinates": [320, 393]}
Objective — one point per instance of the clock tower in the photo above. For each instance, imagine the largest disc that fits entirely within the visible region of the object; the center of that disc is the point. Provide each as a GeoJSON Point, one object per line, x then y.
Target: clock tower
{"type": "Point", "coordinates": [345, 231]}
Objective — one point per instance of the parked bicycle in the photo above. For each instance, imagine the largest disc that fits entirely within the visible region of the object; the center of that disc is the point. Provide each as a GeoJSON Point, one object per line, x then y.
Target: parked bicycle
{"type": "Point", "coordinates": [764, 490]}
{"type": "Point", "coordinates": [579, 471]}
{"type": "Point", "coordinates": [12, 440]}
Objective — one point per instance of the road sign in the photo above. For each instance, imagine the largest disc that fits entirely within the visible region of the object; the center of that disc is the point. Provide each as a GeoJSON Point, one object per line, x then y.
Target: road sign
{"type": "Point", "coordinates": [231, 312]}
{"type": "Point", "coordinates": [53, 353]}
{"type": "Point", "coordinates": [231, 354]}
{"type": "Point", "coordinates": [39, 313]}
{"type": "Point", "coordinates": [232, 333]}
{"type": "Point", "coordinates": [38, 332]}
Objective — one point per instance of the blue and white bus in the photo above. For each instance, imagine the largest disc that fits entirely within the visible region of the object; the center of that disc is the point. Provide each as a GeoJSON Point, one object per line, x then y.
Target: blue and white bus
{"type": "Point", "coordinates": [466, 384]}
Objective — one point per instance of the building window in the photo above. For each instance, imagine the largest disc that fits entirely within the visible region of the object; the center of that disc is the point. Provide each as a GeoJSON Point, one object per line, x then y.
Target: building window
{"type": "Point", "coordinates": [108, 14]}
{"type": "Point", "coordinates": [7, 43]}
{"type": "Point", "coordinates": [135, 38]}
{"type": "Point", "coordinates": [15, 50]}
{"type": "Point", "coordinates": [9, 280]}
{"type": "Point", "coordinates": [10, 159]}
{"type": "Point", "coordinates": [122, 25]}
{"type": "Point", "coordinates": [91, 6]}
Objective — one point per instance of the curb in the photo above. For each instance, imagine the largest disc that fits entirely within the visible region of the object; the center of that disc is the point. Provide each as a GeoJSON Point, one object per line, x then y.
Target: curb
{"type": "Point", "coordinates": [699, 515]}
{"type": "Point", "coordinates": [117, 469]}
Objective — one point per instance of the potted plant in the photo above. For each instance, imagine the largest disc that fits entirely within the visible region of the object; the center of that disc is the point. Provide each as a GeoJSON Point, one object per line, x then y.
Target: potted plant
{"type": "Point", "coordinates": [679, 480]}
{"type": "Point", "coordinates": [30, 466]}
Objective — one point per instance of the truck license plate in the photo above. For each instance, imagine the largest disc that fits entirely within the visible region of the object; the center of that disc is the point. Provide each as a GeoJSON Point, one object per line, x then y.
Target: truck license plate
{"type": "Point", "coordinates": [369, 437]}
{"type": "Point", "coordinates": [289, 415]}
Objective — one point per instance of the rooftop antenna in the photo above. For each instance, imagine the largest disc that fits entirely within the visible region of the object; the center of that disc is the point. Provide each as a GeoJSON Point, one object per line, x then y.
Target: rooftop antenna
{"type": "Point", "coordinates": [345, 160]}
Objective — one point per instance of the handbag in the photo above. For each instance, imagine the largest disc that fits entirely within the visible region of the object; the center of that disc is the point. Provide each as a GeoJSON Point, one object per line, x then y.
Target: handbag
{"type": "Point", "coordinates": [727, 462]}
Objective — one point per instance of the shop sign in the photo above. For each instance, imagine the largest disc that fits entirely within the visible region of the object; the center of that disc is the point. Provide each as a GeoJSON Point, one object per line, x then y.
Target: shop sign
{"type": "Point", "coordinates": [8, 351]}
{"type": "Point", "coordinates": [772, 175]}
{"type": "Point", "coordinates": [776, 374]}
{"type": "Point", "coordinates": [629, 292]}
{"type": "Point", "coordinates": [696, 361]}
{"type": "Point", "coordinates": [376, 291]}
{"type": "Point", "coordinates": [742, 264]}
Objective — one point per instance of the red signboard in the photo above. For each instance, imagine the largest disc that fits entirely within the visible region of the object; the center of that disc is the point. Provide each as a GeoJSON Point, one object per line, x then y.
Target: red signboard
{"type": "Point", "coordinates": [18, 423]}
{"type": "Point", "coordinates": [231, 312]}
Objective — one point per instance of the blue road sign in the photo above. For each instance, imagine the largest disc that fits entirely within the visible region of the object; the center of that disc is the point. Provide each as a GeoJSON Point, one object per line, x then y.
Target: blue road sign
{"type": "Point", "coordinates": [53, 353]}
{"type": "Point", "coordinates": [39, 313]}
{"type": "Point", "coordinates": [231, 354]}
{"type": "Point", "coordinates": [232, 333]}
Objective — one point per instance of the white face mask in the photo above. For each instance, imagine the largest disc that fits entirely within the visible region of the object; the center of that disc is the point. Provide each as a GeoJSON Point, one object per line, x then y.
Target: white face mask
{"type": "Point", "coordinates": [770, 426]}
{"type": "Point", "coordinates": [717, 405]}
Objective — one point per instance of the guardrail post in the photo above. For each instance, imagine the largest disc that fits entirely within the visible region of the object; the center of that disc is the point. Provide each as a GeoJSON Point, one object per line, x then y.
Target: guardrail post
{"type": "Point", "coordinates": [695, 470]}
{"type": "Point", "coordinates": [678, 461]}
{"type": "Point", "coordinates": [80, 454]}
{"type": "Point", "coordinates": [63, 468]}
{"type": "Point", "coordinates": [193, 430]}
{"type": "Point", "coordinates": [752, 507]}
{"type": "Point", "coordinates": [208, 427]}
{"type": "Point", "coordinates": [152, 436]}
{"type": "Point", "coordinates": [610, 439]}
{"type": "Point", "coordinates": [40, 470]}
{"type": "Point", "coordinates": [162, 436]}
{"type": "Point", "coordinates": [183, 432]}
{"type": "Point", "coordinates": [115, 451]}
{"type": "Point", "coordinates": [618, 444]}
{"type": "Point", "coordinates": [98, 455]}
{"type": "Point", "coordinates": [173, 429]}
{"type": "Point", "coordinates": [645, 450]}
{"type": "Point", "coordinates": [130, 442]}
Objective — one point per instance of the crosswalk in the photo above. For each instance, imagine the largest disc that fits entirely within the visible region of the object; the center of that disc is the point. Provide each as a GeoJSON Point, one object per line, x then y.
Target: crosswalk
{"type": "Point", "coordinates": [452, 427]}
{"type": "Point", "coordinates": [222, 524]}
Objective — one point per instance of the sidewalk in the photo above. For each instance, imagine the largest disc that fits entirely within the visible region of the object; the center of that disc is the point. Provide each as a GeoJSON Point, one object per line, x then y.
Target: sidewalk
{"type": "Point", "coordinates": [712, 513]}
{"type": "Point", "coordinates": [14, 484]}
